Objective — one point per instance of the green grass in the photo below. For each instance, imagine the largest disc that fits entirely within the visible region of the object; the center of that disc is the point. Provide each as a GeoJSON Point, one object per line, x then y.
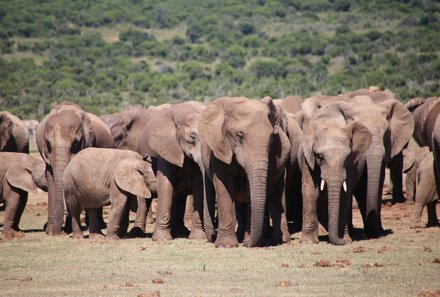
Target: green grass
{"type": "Point", "coordinates": [400, 264]}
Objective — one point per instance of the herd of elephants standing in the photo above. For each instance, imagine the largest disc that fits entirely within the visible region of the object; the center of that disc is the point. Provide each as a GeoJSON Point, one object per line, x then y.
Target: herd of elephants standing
{"type": "Point", "coordinates": [258, 170]}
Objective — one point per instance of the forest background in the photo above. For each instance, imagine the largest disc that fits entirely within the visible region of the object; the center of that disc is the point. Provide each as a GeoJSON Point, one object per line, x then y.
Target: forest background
{"type": "Point", "coordinates": [106, 55]}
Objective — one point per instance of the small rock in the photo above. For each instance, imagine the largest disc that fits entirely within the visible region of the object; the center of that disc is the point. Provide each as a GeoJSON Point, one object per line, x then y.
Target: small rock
{"type": "Point", "coordinates": [284, 283]}
{"type": "Point", "coordinates": [157, 281]}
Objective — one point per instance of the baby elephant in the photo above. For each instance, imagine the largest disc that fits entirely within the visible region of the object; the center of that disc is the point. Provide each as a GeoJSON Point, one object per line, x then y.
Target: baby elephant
{"type": "Point", "coordinates": [425, 192]}
{"type": "Point", "coordinates": [19, 174]}
{"type": "Point", "coordinates": [97, 177]}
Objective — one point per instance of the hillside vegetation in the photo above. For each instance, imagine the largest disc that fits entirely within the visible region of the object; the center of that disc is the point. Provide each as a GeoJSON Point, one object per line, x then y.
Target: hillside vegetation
{"type": "Point", "coordinates": [105, 55]}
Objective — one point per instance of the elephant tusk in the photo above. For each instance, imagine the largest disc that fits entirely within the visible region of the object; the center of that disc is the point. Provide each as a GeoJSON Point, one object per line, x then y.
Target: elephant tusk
{"type": "Point", "coordinates": [322, 184]}
{"type": "Point", "coordinates": [344, 186]}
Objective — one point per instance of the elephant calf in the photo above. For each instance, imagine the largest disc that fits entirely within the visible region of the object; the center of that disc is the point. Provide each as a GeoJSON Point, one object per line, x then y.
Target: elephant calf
{"type": "Point", "coordinates": [19, 174]}
{"type": "Point", "coordinates": [425, 192]}
{"type": "Point", "coordinates": [97, 177]}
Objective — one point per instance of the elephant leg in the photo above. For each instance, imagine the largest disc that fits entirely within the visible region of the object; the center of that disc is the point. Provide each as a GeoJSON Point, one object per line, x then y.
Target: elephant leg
{"type": "Point", "coordinates": [410, 186]}
{"type": "Point", "coordinates": [165, 193]}
{"type": "Point", "coordinates": [241, 214]}
{"type": "Point", "coordinates": [416, 220]}
{"type": "Point", "coordinates": [226, 218]}
{"type": "Point", "coordinates": [432, 214]}
{"type": "Point", "coordinates": [94, 226]}
{"type": "Point", "coordinates": [293, 200]}
{"type": "Point", "coordinates": [140, 221]}
{"type": "Point", "coordinates": [277, 211]}
{"type": "Point", "coordinates": [209, 222]}
{"type": "Point", "coordinates": [150, 219]}
{"type": "Point", "coordinates": [23, 197]}
{"type": "Point", "coordinates": [67, 228]}
{"type": "Point", "coordinates": [197, 213]}
{"type": "Point", "coordinates": [177, 221]}
{"type": "Point", "coordinates": [396, 169]}
{"type": "Point", "coordinates": [11, 209]}
{"type": "Point", "coordinates": [118, 221]}
{"type": "Point", "coordinates": [75, 211]}
{"type": "Point", "coordinates": [310, 193]}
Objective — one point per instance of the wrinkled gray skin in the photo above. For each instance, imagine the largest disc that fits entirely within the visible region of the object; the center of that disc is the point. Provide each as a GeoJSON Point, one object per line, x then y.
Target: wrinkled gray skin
{"type": "Point", "coordinates": [412, 156]}
{"type": "Point", "coordinates": [245, 157]}
{"type": "Point", "coordinates": [425, 193]}
{"type": "Point", "coordinates": [65, 131]}
{"type": "Point", "coordinates": [391, 126]}
{"type": "Point", "coordinates": [117, 177]}
{"type": "Point", "coordinates": [14, 136]}
{"type": "Point", "coordinates": [172, 138]}
{"type": "Point", "coordinates": [328, 155]}
{"type": "Point", "coordinates": [19, 175]}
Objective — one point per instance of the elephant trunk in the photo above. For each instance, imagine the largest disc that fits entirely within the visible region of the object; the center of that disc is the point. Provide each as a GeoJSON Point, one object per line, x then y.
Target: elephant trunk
{"type": "Point", "coordinates": [373, 226]}
{"type": "Point", "coordinates": [334, 184]}
{"type": "Point", "coordinates": [257, 177]}
{"type": "Point", "coordinates": [58, 166]}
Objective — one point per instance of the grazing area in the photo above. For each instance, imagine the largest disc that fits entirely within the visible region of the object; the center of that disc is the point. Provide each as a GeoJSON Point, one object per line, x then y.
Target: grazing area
{"type": "Point", "coordinates": [404, 263]}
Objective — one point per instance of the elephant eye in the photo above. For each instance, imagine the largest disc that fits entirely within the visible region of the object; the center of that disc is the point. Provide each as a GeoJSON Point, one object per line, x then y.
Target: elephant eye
{"type": "Point", "coordinates": [240, 137]}
{"type": "Point", "coordinates": [192, 138]}
{"type": "Point", "coordinates": [320, 158]}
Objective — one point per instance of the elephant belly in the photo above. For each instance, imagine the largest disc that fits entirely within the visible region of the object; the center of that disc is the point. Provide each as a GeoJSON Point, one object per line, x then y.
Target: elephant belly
{"type": "Point", "coordinates": [93, 199]}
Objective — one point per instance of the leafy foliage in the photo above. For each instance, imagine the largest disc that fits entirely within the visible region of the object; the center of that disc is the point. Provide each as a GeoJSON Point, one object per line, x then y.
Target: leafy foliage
{"type": "Point", "coordinates": [105, 55]}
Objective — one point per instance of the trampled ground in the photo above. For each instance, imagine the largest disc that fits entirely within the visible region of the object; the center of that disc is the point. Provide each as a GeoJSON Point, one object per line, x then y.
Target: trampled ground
{"type": "Point", "coordinates": [404, 263]}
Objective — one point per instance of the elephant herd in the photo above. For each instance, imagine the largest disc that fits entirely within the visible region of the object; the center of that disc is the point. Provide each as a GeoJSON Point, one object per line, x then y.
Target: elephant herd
{"type": "Point", "coordinates": [258, 170]}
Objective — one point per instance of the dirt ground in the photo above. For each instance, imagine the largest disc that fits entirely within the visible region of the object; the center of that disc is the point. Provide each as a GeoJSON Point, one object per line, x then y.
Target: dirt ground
{"type": "Point", "coordinates": [406, 262]}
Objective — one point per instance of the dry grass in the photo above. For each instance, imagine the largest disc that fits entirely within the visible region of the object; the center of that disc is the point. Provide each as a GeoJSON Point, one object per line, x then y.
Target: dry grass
{"type": "Point", "coordinates": [404, 263]}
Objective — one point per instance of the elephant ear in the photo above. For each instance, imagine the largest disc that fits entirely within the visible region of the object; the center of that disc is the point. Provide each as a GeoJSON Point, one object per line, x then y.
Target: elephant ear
{"type": "Point", "coordinates": [295, 133]}
{"type": "Point", "coordinates": [129, 177]}
{"type": "Point", "coordinates": [89, 131]}
{"type": "Point", "coordinates": [6, 126]}
{"type": "Point", "coordinates": [401, 125]}
{"type": "Point", "coordinates": [275, 116]}
{"type": "Point", "coordinates": [211, 129]}
{"type": "Point", "coordinates": [307, 143]}
{"type": "Point", "coordinates": [162, 138]}
{"type": "Point", "coordinates": [409, 158]}
{"type": "Point", "coordinates": [360, 138]}
{"type": "Point", "coordinates": [20, 177]}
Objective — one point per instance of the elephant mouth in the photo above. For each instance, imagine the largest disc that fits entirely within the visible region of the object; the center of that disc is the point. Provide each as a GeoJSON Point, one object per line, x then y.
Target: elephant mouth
{"type": "Point", "coordinates": [323, 183]}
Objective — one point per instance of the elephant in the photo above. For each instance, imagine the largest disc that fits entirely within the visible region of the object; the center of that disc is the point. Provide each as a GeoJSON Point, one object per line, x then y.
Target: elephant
{"type": "Point", "coordinates": [245, 154]}
{"type": "Point", "coordinates": [20, 174]}
{"type": "Point", "coordinates": [60, 135]}
{"type": "Point", "coordinates": [412, 156]}
{"type": "Point", "coordinates": [332, 147]}
{"type": "Point", "coordinates": [172, 138]}
{"type": "Point", "coordinates": [14, 135]}
{"type": "Point", "coordinates": [126, 126]}
{"type": "Point", "coordinates": [425, 192]}
{"type": "Point", "coordinates": [31, 125]}
{"type": "Point", "coordinates": [391, 125]}
{"type": "Point", "coordinates": [121, 178]}
{"type": "Point", "coordinates": [291, 104]}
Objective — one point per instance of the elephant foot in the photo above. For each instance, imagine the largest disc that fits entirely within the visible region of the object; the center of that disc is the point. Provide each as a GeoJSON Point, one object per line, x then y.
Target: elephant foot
{"type": "Point", "coordinates": [161, 234]}
{"type": "Point", "coordinates": [226, 242]}
{"type": "Point", "coordinates": [78, 234]}
{"type": "Point", "coordinates": [136, 232]}
{"type": "Point", "coordinates": [68, 228]}
{"type": "Point", "coordinates": [307, 238]}
{"type": "Point", "coordinates": [398, 199]}
{"type": "Point", "coordinates": [347, 239]}
{"type": "Point", "coordinates": [10, 234]}
{"type": "Point", "coordinates": [417, 226]}
{"type": "Point", "coordinates": [96, 235]}
{"type": "Point", "coordinates": [286, 237]}
{"type": "Point", "coordinates": [112, 236]}
{"type": "Point", "coordinates": [432, 224]}
{"type": "Point", "coordinates": [197, 234]}
{"type": "Point", "coordinates": [53, 230]}
{"type": "Point", "coordinates": [211, 236]}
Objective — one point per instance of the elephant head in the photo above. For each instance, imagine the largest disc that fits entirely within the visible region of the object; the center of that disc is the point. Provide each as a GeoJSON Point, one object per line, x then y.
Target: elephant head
{"type": "Point", "coordinates": [243, 131]}
{"type": "Point", "coordinates": [63, 132]}
{"type": "Point", "coordinates": [28, 176]}
{"type": "Point", "coordinates": [391, 126]}
{"type": "Point", "coordinates": [134, 176]}
{"type": "Point", "coordinates": [174, 134]}
{"type": "Point", "coordinates": [330, 147]}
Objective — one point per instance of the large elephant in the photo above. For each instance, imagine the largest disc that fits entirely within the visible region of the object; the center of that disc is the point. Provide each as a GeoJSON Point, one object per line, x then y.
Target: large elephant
{"type": "Point", "coordinates": [120, 177]}
{"type": "Point", "coordinates": [60, 135]}
{"type": "Point", "coordinates": [19, 174]}
{"type": "Point", "coordinates": [329, 153]}
{"type": "Point", "coordinates": [172, 138]}
{"type": "Point", "coordinates": [245, 157]}
{"type": "Point", "coordinates": [14, 135]}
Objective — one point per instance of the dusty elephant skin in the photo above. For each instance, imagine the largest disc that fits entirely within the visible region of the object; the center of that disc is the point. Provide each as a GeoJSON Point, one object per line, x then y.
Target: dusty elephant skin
{"type": "Point", "coordinates": [246, 154]}
{"type": "Point", "coordinates": [60, 135]}
{"type": "Point", "coordinates": [119, 177]}
{"type": "Point", "coordinates": [425, 191]}
{"type": "Point", "coordinates": [19, 174]}
{"type": "Point", "coordinates": [14, 135]}
{"type": "Point", "coordinates": [172, 138]}
{"type": "Point", "coordinates": [329, 153]}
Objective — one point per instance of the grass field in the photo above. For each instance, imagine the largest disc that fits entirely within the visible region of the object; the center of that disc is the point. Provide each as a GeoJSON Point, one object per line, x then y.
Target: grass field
{"type": "Point", "coordinates": [404, 263]}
